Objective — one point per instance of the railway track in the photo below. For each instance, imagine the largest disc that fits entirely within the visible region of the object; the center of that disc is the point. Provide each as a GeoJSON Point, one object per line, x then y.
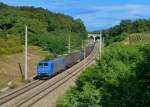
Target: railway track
{"type": "Point", "coordinates": [9, 96]}
{"type": "Point", "coordinates": [32, 95]}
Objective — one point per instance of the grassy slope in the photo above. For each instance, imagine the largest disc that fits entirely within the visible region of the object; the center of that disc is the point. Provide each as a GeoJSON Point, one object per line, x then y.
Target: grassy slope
{"type": "Point", "coordinates": [9, 69]}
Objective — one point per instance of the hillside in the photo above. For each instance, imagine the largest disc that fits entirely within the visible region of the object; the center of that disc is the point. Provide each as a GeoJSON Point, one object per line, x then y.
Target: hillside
{"type": "Point", "coordinates": [126, 27]}
{"type": "Point", "coordinates": [46, 29]}
{"type": "Point", "coordinates": [48, 34]}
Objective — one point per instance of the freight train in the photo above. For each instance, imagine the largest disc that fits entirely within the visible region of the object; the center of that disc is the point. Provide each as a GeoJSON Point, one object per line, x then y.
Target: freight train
{"type": "Point", "coordinates": [51, 67]}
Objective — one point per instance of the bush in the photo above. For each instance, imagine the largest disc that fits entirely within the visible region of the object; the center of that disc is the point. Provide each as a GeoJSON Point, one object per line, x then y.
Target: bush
{"type": "Point", "coordinates": [119, 79]}
{"type": "Point", "coordinates": [117, 38]}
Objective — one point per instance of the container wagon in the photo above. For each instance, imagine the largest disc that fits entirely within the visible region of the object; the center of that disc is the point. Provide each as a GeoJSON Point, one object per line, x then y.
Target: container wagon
{"type": "Point", "coordinates": [71, 59]}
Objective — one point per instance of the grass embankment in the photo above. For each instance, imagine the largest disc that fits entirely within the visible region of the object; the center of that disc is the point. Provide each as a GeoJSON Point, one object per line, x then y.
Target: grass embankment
{"type": "Point", "coordinates": [12, 53]}
{"type": "Point", "coordinates": [10, 45]}
{"type": "Point", "coordinates": [119, 79]}
{"type": "Point", "coordinates": [139, 37]}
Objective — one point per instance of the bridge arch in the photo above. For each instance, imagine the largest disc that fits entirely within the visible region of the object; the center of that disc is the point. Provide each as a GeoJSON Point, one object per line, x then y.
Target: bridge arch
{"type": "Point", "coordinates": [97, 38]}
{"type": "Point", "coordinates": [94, 37]}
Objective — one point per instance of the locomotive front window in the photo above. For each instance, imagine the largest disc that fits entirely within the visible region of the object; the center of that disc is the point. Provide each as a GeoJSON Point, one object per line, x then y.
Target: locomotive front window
{"type": "Point", "coordinates": [43, 64]}
{"type": "Point", "coordinates": [40, 64]}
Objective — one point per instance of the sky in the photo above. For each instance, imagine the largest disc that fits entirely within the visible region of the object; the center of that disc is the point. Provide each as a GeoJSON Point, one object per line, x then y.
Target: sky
{"type": "Point", "coordinates": [96, 14]}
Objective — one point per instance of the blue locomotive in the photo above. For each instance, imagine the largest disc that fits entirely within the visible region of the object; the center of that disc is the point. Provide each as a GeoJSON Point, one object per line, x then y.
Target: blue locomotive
{"type": "Point", "coordinates": [49, 68]}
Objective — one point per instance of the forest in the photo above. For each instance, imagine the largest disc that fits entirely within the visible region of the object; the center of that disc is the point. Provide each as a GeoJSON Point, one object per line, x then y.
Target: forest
{"type": "Point", "coordinates": [126, 27]}
{"type": "Point", "coordinates": [45, 29]}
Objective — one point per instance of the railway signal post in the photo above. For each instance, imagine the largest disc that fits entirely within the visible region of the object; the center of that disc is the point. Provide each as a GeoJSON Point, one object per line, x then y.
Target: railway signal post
{"type": "Point", "coordinates": [26, 53]}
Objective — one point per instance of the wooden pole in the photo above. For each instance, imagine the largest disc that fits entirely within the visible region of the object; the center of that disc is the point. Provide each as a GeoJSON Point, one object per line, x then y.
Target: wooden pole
{"type": "Point", "coordinates": [20, 69]}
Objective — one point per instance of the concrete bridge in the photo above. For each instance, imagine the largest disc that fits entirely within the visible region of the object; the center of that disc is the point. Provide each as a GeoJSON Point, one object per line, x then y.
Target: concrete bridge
{"type": "Point", "coordinates": [94, 37]}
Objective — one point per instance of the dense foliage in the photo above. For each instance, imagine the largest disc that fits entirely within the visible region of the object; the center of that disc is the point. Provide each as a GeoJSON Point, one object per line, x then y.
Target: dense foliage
{"type": "Point", "coordinates": [119, 32]}
{"type": "Point", "coordinates": [120, 79]}
{"type": "Point", "coordinates": [46, 29]}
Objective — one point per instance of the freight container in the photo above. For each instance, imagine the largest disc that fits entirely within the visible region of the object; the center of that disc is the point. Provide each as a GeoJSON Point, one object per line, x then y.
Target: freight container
{"type": "Point", "coordinates": [71, 59]}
